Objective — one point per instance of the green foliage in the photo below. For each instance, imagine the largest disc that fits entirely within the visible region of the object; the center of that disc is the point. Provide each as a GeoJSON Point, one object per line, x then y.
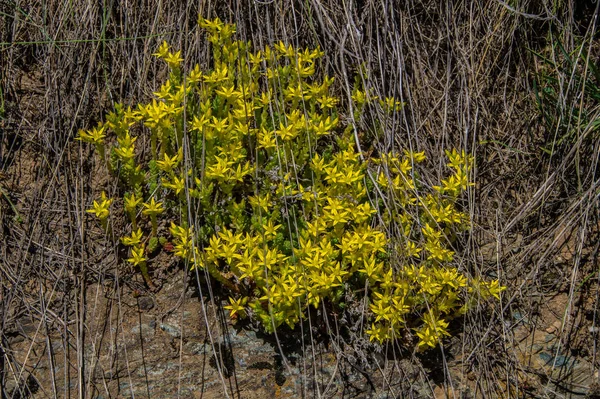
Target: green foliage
{"type": "Point", "coordinates": [284, 206]}
{"type": "Point", "coordinates": [567, 90]}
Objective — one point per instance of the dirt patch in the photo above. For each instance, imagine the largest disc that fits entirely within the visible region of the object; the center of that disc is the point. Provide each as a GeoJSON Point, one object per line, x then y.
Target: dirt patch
{"type": "Point", "coordinates": [172, 344]}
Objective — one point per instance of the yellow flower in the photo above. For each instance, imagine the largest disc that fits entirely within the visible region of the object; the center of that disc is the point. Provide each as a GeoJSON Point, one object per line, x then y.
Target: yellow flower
{"type": "Point", "coordinates": [261, 202]}
{"type": "Point", "coordinates": [227, 30]}
{"type": "Point", "coordinates": [170, 163]}
{"type": "Point", "coordinates": [318, 164]}
{"type": "Point", "coordinates": [327, 102]}
{"type": "Point", "coordinates": [336, 212]}
{"type": "Point", "coordinates": [372, 269]}
{"type": "Point", "coordinates": [430, 233]}
{"type": "Point", "coordinates": [287, 133]}
{"type": "Point", "coordinates": [100, 209]}
{"type": "Point", "coordinates": [290, 291]}
{"type": "Point", "coordinates": [411, 249]}
{"type": "Point", "coordinates": [255, 58]}
{"type": "Point", "coordinates": [219, 169]}
{"type": "Point", "coordinates": [450, 186]}
{"type": "Point", "coordinates": [430, 286]}
{"type": "Point", "coordinates": [338, 273]}
{"type": "Point", "coordinates": [456, 159]}
{"type": "Point", "coordinates": [218, 75]}
{"type": "Point", "coordinates": [269, 257]}
{"type": "Point", "coordinates": [195, 75]}
{"type": "Point", "coordinates": [134, 239]}
{"type": "Point", "coordinates": [229, 93]}
{"type": "Point", "coordinates": [220, 125]}
{"type": "Point", "coordinates": [495, 288]}
{"type": "Point", "coordinates": [213, 25]}
{"type": "Point", "coordinates": [137, 255]}
{"type": "Point", "coordinates": [153, 208]}
{"type": "Point", "coordinates": [359, 97]}
{"type": "Point", "coordinates": [294, 93]}
{"type": "Point", "coordinates": [177, 185]}
{"type": "Point", "coordinates": [154, 113]}
{"type": "Point", "coordinates": [126, 149]}
{"type": "Point", "coordinates": [437, 251]}
{"type": "Point", "coordinates": [131, 203]}
{"type": "Point", "coordinates": [427, 338]}
{"type": "Point", "coordinates": [417, 157]}
{"type": "Point", "coordinates": [165, 90]}
{"type": "Point", "coordinates": [348, 244]}
{"type": "Point", "coordinates": [95, 136]}
{"type": "Point", "coordinates": [270, 230]}
{"type": "Point", "coordinates": [286, 51]}
{"type": "Point", "coordinates": [199, 123]}
{"type": "Point", "coordinates": [381, 308]}
{"type": "Point", "coordinates": [382, 180]}
{"type": "Point", "coordinates": [213, 252]}
{"type": "Point", "coordinates": [237, 306]}
{"type": "Point", "coordinates": [378, 331]}
{"type": "Point", "coordinates": [379, 241]}
{"type": "Point", "coordinates": [173, 59]}
{"type": "Point", "coordinates": [162, 51]}
{"type": "Point", "coordinates": [306, 69]}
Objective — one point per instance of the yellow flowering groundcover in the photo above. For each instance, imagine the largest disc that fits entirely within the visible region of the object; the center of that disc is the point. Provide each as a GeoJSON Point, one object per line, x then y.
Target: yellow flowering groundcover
{"type": "Point", "coordinates": [264, 188]}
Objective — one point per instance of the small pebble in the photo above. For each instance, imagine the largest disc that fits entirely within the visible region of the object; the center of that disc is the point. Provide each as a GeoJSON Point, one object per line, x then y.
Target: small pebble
{"type": "Point", "coordinates": [549, 337]}
{"type": "Point", "coordinates": [561, 361]}
{"type": "Point", "coordinates": [144, 329]}
{"type": "Point", "coordinates": [536, 348]}
{"type": "Point", "coordinates": [519, 317]}
{"type": "Point", "coordinates": [145, 303]}
{"type": "Point", "coordinates": [171, 330]}
{"type": "Point", "coordinates": [558, 361]}
{"type": "Point", "coordinates": [546, 357]}
{"type": "Point", "coordinates": [554, 328]}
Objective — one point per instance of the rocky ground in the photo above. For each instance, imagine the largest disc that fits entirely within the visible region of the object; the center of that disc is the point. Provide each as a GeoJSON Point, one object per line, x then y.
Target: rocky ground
{"type": "Point", "coordinates": [158, 345]}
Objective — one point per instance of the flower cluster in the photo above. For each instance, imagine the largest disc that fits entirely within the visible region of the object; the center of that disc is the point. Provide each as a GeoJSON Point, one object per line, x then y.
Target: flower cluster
{"type": "Point", "coordinates": [288, 214]}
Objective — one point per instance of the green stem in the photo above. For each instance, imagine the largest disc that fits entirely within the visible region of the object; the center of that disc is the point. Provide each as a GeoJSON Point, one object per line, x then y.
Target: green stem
{"type": "Point", "coordinates": [133, 220]}
{"type": "Point", "coordinates": [154, 225]}
{"type": "Point", "coordinates": [12, 206]}
{"type": "Point", "coordinates": [217, 275]}
{"type": "Point", "coordinates": [145, 274]}
{"type": "Point", "coordinates": [153, 139]}
{"type": "Point", "coordinates": [106, 227]}
{"type": "Point", "coordinates": [183, 212]}
{"type": "Point", "coordinates": [102, 152]}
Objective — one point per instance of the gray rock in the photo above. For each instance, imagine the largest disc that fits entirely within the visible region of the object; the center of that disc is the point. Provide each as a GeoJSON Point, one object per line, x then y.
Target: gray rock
{"type": "Point", "coordinates": [145, 303]}
{"type": "Point", "coordinates": [146, 330]}
{"type": "Point", "coordinates": [519, 317]}
{"type": "Point", "coordinates": [535, 348]}
{"type": "Point", "coordinates": [561, 361]}
{"type": "Point", "coordinates": [173, 331]}
{"type": "Point", "coordinates": [549, 337]}
{"type": "Point", "coordinates": [196, 348]}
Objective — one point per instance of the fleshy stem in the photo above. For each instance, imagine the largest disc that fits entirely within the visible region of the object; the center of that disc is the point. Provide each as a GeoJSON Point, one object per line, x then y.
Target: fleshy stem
{"type": "Point", "coordinates": [102, 212]}
{"type": "Point", "coordinates": [131, 204]}
{"type": "Point", "coordinates": [153, 209]}
{"type": "Point", "coordinates": [138, 259]}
